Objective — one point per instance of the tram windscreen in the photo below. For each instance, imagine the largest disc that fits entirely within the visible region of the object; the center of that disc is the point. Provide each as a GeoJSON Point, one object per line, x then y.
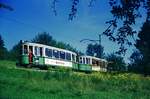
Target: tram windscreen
{"type": "Point", "coordinates": [25, 50]}
{"type": "Point", "coordinates": [95, 62]}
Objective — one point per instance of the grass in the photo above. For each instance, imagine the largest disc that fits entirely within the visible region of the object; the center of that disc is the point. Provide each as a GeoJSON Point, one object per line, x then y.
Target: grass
{"type": "Point", "coordinates": [20, 83]}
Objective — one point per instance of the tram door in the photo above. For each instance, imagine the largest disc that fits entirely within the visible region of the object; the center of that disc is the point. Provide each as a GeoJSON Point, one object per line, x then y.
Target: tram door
{"type": "Point", "coordinates": [30, 54]}
{"type": "Point", "coordinates": [38, 52]}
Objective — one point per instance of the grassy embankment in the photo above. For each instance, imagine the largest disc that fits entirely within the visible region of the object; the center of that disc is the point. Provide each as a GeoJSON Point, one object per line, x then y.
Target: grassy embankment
{"type": "Point", "coordinates": [18, 83]}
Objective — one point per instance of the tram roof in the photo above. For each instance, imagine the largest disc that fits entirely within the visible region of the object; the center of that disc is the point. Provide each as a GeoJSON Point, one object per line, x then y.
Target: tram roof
{"type": "Point", "coordinates": [47, 46]}
{"type": "Point", "coordinates": [86, 56]}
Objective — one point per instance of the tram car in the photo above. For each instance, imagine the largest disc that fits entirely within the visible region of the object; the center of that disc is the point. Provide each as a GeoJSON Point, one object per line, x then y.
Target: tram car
{"type": "Point", "coordinates": [40, 55]}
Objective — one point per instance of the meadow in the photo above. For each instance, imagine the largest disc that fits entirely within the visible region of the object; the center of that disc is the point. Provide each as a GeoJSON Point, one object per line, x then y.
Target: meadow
{"type": "Point", "coordinates": [26, 83]}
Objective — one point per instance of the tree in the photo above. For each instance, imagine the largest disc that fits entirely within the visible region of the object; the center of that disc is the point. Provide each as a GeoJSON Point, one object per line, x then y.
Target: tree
{"type": "Point", "coordinates": [125, 14]}
{"type": "Point", "coordinates": [3, 50]}
{"type": "Point", "coordinates": [15, 52]}
{"type": "Point", "coordinates": [95, 49]}
{"type": "Point", "coordinates": [116, 63]}
{"type": "Point", "coordinates": [143, 45]}
{"type": "Point", "coordinates": [44, 38]}
{"type": "Point", "coordinates": [135, 64]}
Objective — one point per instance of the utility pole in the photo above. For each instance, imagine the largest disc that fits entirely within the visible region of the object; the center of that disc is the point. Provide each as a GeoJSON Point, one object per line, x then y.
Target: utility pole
{"type": "Point", "coordinates": [99, 42]}
{"type": "Point", "coordinates": [99, 39]}
{"type": "Point", "coordinates": [100, 45]}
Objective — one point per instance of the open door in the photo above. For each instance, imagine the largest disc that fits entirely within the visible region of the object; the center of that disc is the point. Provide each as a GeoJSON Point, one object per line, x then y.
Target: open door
{"type": "Point", "coordinates": [30, 54]}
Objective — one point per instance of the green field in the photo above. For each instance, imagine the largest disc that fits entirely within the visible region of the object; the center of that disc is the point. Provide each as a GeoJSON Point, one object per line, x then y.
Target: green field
{"type": "Point", "coordinates": [20, 83]}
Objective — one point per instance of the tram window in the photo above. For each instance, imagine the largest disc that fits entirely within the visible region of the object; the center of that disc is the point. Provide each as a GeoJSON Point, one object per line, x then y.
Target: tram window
{"type": "Point", "coordinates": [38, 51]}
{"type": "Point", "coordinates": [62, 55]}
{"type": "Point", "coordinates": [31, 48]}
{"type": "Point", "coordinates": [84, 61]}
{"type": "Point", "coordinates": [25, 49]}
{"type": "Point", "coordinates": [41, 50]}
{"type": "Point", "coordinates": [48, 52]}
{"type": "Point", "coordinates": [80, 60]}
{"type": "Point", "coordinates": [73, 57]}
{"type": "Point", "coordinates": [94, 62]}
{"type": "Point", "coordinates": [97, 63]}
{"type": "Point", "coordinates": [55, 53]}
{"type": "Point", "coordinates": [35, 50]}
{"type": "Point", "coordinates": [87, 61]}
{"type": "Point", "coordinates": [68, 56]}
{"type": "Point", "coordinates": [101, 64]}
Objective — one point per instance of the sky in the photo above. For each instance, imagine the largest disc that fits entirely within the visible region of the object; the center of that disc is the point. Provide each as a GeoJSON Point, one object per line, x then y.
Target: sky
{"type": "Point", "coordinates": [31, 17]}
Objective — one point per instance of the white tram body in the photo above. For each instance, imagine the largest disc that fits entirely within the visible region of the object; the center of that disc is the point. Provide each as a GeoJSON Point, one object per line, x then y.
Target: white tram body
{"type": "Point", "coordinates": [96, 63]}
{"type": "Point", "coordinates": [49, 55]}
{"type": "Point", "coordinates": [44, 55]}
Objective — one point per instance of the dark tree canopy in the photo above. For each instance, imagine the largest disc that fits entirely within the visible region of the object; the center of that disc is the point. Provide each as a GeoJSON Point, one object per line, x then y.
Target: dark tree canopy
{"type": "Point", "coordinates": [136, 62]}
{"type": "Point", "coordinates": [1, 42]}
{"type": "Point", "coordinates": [15, 52]}
{"type": "Point", "coordinates": [3, 50]}
{"type": "Point", "coordinates": [143, 44]}
{"type": "Point", "coordinates": [95, 50]}
{"type": "Point", "coordinates": [116, 63]}
{"type": "Point", "coordinates": [136, 57]}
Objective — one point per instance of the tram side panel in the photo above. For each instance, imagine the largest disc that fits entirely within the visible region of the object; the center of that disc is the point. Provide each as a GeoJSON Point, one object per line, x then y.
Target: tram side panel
{"type": "Point", "coordinates": [55, 62]}
{"type": "Point", "coordinates": [84, 64]}
{"type": "Point", "coordinates": [50, 56]}
{"type": "Point", "coordinates": [24, 59]}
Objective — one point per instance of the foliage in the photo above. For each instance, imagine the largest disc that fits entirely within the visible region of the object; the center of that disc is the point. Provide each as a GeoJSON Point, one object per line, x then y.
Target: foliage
{"type": "Point", "coordinates": [15, 52]}
{"type": "Point", "coordinates": [143, 45]}
{"type": "Point", "coordinates": [136, 62]}
{"type": "Point", "coordinates": [3, 50]}
{"type": "Point", "coordinates": [93, 49]}
{"type": "Point", "coordinates": [116, 63]}
{"type": "Point", "coordinates": [125, 14]}
{"type": "Point", "coordinates": [70, 85]}
{"type": "Point", "coordinates": [45, 38]}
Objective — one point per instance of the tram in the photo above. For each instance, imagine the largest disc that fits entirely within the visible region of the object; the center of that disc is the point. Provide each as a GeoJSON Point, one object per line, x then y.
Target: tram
{"type": "Point", "coordinates": [92, 63]}
{"type": "Point", "coordinates": [40, 55]}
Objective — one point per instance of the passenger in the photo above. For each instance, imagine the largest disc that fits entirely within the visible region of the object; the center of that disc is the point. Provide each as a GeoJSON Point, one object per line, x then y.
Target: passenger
{"type": "Point", "coordinates": [30, 57]}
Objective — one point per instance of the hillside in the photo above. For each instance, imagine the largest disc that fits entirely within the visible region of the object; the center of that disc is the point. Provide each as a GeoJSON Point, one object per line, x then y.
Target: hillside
{"type": "Point", "coordinates": [20, 83]}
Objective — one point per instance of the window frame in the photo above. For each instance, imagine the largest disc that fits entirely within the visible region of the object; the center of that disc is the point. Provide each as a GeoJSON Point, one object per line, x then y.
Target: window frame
{"type": "Point", "coordinates": [68, 59]}
{"type": "Point", "coordinates": [54, 54]}
{"type": "Point", "coordinates": [25, 51]}
{"type": "Point", "coordinates": [48, 52]}
{"type": "Point", "coordinates": [60, 55]}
